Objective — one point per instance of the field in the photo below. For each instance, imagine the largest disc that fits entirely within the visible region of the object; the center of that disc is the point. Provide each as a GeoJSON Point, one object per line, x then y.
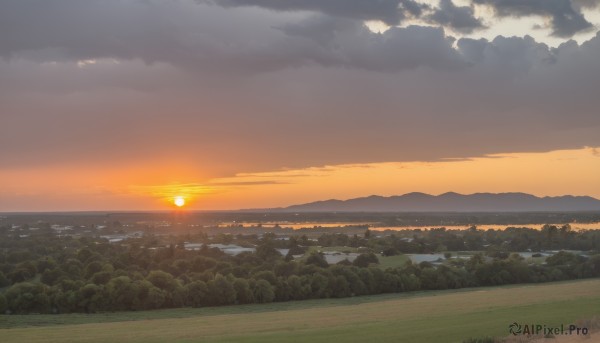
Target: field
{"type": "Point", "coordinates": [414, 317]}
{"type": "Point", "coordinates": [392, 261]}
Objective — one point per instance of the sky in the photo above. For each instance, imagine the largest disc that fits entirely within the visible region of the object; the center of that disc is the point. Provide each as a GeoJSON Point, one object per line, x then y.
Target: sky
{"type": "Point", "coordinates": [126, 104]}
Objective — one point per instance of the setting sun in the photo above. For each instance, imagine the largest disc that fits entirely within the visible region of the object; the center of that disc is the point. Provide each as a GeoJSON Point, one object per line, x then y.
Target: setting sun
{"type": "Point", "coordinates": [179, 201]}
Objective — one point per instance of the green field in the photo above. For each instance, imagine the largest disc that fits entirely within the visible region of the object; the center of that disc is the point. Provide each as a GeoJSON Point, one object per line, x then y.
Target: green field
{"type": "Point", "coordinates": [448, 316]}
{"type": "Point", "coordinates": [395, 261]}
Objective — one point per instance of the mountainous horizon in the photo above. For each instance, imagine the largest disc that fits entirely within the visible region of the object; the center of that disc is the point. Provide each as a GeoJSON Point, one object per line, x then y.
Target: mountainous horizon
{"type": "Point", "coordinates": [451, 202]}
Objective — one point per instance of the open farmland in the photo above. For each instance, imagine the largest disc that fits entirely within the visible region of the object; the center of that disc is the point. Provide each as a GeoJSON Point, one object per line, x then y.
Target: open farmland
{"type": "Point", "coordinates": [410, 317]}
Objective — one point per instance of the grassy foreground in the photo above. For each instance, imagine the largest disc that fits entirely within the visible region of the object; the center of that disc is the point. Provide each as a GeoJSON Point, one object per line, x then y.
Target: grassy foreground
{"type": "Point", "coordinates": [448, 316]}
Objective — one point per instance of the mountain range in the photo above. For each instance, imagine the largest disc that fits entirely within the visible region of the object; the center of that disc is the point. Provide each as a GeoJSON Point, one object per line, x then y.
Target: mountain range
{"type": "Point", "coordinates": [452, 202]}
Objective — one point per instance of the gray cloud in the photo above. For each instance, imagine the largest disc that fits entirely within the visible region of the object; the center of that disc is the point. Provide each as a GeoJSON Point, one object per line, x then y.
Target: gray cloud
{"type": "Point", "coordinates": [340, 42]}
{"type": "Point", "coordinates": [245, 89]}
{"type": "Point", "coordinates": [508, 56]}
{"type": "Point", "coordinates": [200, 38]}
{"type": "Point", "coordinates": [180, 33]}
{"type": "Point", "coordinates": [566, 19]}
{"type": "Point", "coordinates": [586, 3]}
{"type": "Point", "coordinates": [391, 12]}
{"type": "Point", "coordinates": [459, 18]}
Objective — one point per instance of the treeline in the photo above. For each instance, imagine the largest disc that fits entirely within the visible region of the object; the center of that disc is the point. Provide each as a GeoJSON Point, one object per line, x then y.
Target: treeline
{"type": "Point", "coordinates": [46, 274]}
{"type": "Point", "coordinates": [511, 239]}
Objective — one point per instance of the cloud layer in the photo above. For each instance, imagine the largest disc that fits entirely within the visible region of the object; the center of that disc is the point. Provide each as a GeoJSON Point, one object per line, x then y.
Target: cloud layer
{"type": "Point", "coordinates": [391, 12]}
{"type": "Point", "coordinates": [233, 86]}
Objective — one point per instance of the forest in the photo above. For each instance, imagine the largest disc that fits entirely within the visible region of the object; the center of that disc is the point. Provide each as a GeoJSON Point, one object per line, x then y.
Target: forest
{"type": "Point", "coordinates": [44, 273]}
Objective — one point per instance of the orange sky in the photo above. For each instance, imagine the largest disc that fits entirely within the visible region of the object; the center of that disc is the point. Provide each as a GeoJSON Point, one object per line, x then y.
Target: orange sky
{"type": "Point", "coordinates": [152, 186]}
{"type": "Point", "coordinates": [124, 105]}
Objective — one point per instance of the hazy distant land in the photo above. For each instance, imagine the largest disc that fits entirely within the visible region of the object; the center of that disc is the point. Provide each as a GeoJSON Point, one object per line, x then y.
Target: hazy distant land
{"type": "Point", "coordinates": [453, 202]}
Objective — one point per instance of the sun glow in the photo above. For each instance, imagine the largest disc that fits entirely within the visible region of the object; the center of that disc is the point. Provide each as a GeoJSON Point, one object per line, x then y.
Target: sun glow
{"type": "Point", "coordinates": [179, 201]}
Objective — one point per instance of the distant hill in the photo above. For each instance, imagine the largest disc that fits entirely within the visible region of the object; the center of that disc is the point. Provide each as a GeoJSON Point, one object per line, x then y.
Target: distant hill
{"type": "Point", "coordinates": [452, 202]}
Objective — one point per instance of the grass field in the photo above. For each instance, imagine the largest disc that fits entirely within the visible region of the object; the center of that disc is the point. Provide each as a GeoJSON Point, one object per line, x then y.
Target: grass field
{"type": "Point", "coordinates": [392, 261]}
{"type": "Point", "coordinates": [440, 316]}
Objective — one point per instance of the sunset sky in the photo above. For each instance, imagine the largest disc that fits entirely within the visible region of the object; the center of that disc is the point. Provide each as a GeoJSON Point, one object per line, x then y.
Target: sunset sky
{"type": "Point", "coordinates": [126, 104]}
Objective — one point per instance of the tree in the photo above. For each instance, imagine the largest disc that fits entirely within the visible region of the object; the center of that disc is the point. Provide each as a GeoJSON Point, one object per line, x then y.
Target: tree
{"type": "Point", "coordinates": [317, 259]}
{"type": "Point", "coordinates": [366, 276]}
{"type": "Point", "coordinates": [266, 275]}
{"type": "Point", "coordinates": [243, 292]}
{"type": "Point", "coordinates": [73, 268]}
{"type": "Point", "coordinates": [162, 280]}
{"type": "Point", "coordinates": [155, 298]}
{"type": "Point", "coordinates": [84, 254]}
{"type": "Point", "coordinates": [92, 268]}
{"type": "Point", "coordinates": [319, 286]}
{"type": "Point", "coordinates": [298, 290]}
{"type": "Point", "coordinates": [551, 233]}
{"type": "Point", "coordinates": [3, 280]}
{"type": "Point", "coordinates": [122, 293]}
{"type": "Point", "coordinates": [52, 276]}
{"type": "Point", "coordinates": [344, 262]}
{"type": "Point", "coordinates": [202, 263]}
{"type": "Point", "coordinates": [338, 286]}
{"type": "Point", "coordinates": [283, 291]}
{"type": "Point", "coordinates": [266, 251]}
{"type": "Point", "coordinates": [64, 301]}
{"type": "Point", "coordinates": [592, 266]}
{"type": "Point", "coordinates": [3, 304]}
{"type": "Point", "coordinates": [28, 297]}
{"type": "Point", "coordinates": [363, 260]}
{"type": "Point", "coordinates": [563, 258]}
{"type": "Point", "coordinates": [91, 298]}
{"type": "Point", "coordinates": [285, 268]}
{"type": "Point", "coordinates": [197, 292]}
{"type": "Point", "coordinates": [391, 251]}
{"type": "Point", "coordinates": [263, 292]}
{"type": "Point", "coordinates": [180, 267]}
{"type": "Point", "coordinates": [101, 278]}
{"type": "Point", "coordinates": [429, 278]}
{"type": "Point", "coordinates": [221, 291]}
{"type": "Point", "coordinates": [46, 264]}
{"type": "Point", "coordinates": [20, 275]}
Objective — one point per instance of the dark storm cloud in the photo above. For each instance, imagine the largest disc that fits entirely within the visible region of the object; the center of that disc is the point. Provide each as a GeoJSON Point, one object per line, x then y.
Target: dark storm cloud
{"type": "Point", "coordinates": [180, 33]}
{"type": "Point", "coordinates": [246, 89]}
{"type": "Point", "coordinates": [332, 41]}
{"type": "Point", "coordinates": [199, 38]}
{"type": "Point", "coordinates": [566, 19]}
{"type": "Point", "coordinates": [510, 56]}
{"type": "Point", "coordinates": [459, 18]}
{"type": "Point", "coordinates": [391, 12]}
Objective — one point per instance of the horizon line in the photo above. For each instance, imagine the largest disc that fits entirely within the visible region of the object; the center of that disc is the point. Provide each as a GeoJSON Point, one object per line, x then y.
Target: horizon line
{"type": "Point", "coordinates": [284, 208]}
